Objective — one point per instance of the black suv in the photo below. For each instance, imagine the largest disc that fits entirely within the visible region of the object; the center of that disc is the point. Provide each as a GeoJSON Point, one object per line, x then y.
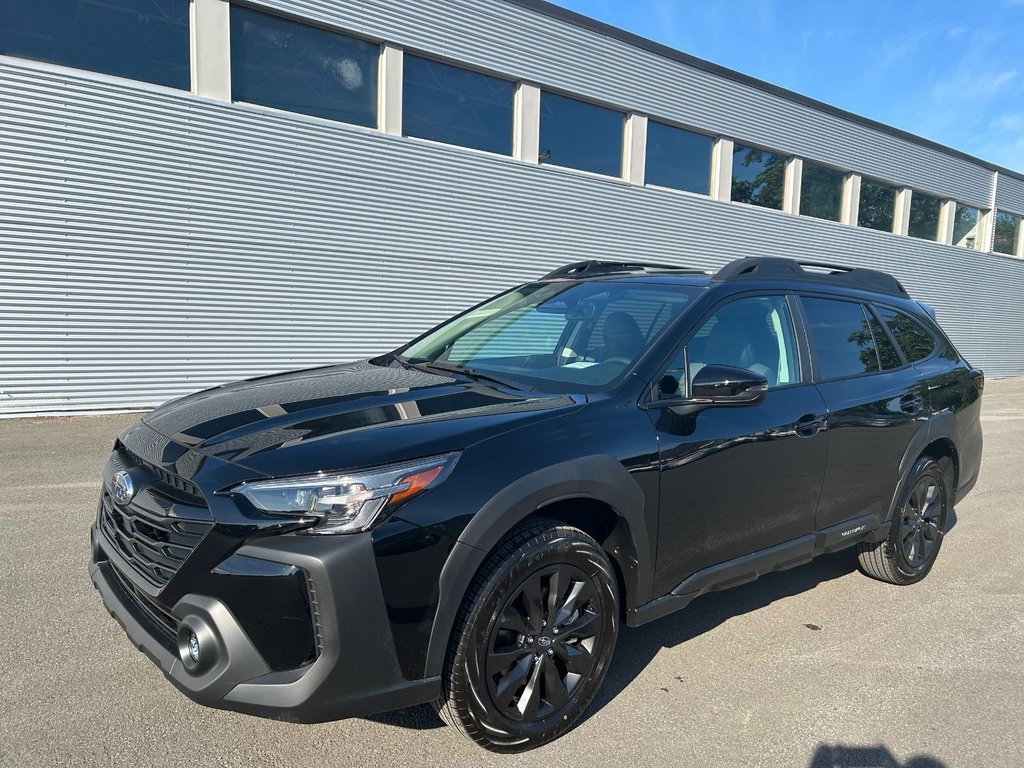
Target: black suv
{"type": "Point", "coordinates": [468, 519]}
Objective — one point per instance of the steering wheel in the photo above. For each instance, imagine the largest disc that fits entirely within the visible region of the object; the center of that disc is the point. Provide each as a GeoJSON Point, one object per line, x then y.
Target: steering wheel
{"type": "Point", "coordinates": [623, 361]}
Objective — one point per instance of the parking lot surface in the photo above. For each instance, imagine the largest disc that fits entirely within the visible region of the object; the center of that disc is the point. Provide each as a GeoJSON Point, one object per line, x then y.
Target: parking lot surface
{"type": "Point", "coordinates": [816, 667]}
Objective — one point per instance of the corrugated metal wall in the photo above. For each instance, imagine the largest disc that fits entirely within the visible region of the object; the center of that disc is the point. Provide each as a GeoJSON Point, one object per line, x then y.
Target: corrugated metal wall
{"type": "Point", "coordinates": [153, 243]}
{"type": "Point", "coordinates": [534, 47]}
{"type": "Point", "coordinates": [1010, 194]}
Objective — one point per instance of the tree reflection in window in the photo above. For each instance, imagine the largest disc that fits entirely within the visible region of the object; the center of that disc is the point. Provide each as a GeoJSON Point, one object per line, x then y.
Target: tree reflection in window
{"type": "Point", "coordinates": [758, 177]}
{"type": "Point", "coordinates": [877, 206]}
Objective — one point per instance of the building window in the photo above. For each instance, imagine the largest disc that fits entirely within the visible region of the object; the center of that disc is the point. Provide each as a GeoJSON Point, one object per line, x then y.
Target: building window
{"type": "Point", "coordinates": [1008, 234]}
{"type": "Point", "coordinates": [758, 177]}
{"type": "Point", "coordinates": [965, 226]}
{"type": "Point", "coordinates": [924, 216]}
{"type": "Point", "coordinates": [877, 206]}
{"type": "Point", "coordinates": [576, 134]}
{"type": "Point", "coordinates": [295, 67]}
{"type": "Point", "coordinates": [821, 192]}
{"type": "Point", "coordinates": [678, 158]}
{"type": "Point", "coordinates": [456, 106]}
{"type": "Point", "coordinates": [138, 39]}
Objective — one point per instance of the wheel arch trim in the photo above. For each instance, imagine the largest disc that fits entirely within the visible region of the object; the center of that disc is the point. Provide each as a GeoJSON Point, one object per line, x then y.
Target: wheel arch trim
{"type": "Point", "coordinates": [940, 428]}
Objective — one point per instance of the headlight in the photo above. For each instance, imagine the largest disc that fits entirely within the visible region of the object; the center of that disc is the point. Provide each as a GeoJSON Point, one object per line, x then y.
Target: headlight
{"type": "Point", "coordinates": [351, 502]}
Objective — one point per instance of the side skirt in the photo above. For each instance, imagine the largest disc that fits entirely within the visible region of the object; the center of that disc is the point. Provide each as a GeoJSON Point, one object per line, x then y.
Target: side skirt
{"type": "Point", "coordinates": [743, 570]}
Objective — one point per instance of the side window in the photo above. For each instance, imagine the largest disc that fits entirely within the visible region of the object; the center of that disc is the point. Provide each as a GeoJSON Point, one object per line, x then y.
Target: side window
{"type": "Point", "coordinates": [843, 342]}
{"type": "Point", "coordinates": [914, 340]}
{"type": "Point", "coordinates": [755, 334]}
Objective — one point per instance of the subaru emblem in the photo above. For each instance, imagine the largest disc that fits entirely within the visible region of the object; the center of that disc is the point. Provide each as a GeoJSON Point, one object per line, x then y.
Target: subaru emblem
{"type": "Point", "coordinates": [124, 488]}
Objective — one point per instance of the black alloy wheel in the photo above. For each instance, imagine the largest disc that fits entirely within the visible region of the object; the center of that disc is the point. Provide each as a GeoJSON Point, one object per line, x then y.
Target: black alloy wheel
{"type": "Point", "coordinates": [533, 639]}
{"type": "Point", "coordinates": [922, 518]}
{"type": "Point", "coordinates": [542, 646]}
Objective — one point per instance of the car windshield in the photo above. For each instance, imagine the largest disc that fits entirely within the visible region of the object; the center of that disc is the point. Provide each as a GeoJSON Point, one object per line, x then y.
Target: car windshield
{"type": "Point", "coordinates": [558, 336]}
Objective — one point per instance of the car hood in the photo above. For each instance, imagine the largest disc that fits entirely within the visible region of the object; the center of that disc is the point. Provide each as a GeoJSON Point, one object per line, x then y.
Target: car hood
{"type": "Point", "coordinates": [346, 416]}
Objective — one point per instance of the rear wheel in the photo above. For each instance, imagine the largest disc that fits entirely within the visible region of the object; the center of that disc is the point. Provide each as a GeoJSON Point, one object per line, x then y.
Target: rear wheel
{"type": "Point", "coordinates": [919, 524]}
{"type": "Point", "coordinates": [533, 640]}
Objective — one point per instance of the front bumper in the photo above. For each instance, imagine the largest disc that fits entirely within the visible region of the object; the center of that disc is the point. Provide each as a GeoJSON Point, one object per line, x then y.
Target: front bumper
{"type": "Point", "coordinates": [356, 671]}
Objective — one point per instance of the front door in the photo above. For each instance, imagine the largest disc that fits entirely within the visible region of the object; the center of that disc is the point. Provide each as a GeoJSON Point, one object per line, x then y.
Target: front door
{"type": "Point", "coordinates": [737, 479]}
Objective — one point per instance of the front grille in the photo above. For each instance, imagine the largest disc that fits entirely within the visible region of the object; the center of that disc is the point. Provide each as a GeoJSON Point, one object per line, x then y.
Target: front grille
{"type": "Point", "coordinates": [179, 487]}
{"type": "Point", "coordinates": [161, 619]}
{"type": "Point", "coordinates": [154, 544]}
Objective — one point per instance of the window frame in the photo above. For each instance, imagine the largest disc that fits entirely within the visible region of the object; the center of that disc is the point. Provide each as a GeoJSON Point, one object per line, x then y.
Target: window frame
{"type": "Point", "coordinates": [648, 401]}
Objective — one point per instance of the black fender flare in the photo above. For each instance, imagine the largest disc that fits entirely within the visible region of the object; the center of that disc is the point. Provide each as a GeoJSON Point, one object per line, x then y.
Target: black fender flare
{"type": "Point", "coordinates": [602, 478]}
{"type": "Point", "coordinates": [940, 426]}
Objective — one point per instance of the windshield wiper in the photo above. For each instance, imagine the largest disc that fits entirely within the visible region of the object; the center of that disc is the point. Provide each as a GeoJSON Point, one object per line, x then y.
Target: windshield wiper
{"type": "Point", "coordinates": [473, 373]}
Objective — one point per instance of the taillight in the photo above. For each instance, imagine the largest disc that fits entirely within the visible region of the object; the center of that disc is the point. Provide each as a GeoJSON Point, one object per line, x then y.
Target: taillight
{"type": "Point", "coordinates": [978, 377]}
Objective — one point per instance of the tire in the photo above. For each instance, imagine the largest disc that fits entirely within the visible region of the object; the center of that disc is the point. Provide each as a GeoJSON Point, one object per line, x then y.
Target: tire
{"type": "Point", "coordinates": [919, 525]}
{"type": "Point", "coordinates": [517, 676]}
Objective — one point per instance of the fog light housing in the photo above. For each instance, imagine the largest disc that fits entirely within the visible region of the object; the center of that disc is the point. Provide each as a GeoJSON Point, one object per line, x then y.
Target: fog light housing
{"type": "Point", "coordinates": [193, 645]}
{"type": "Point", "coordinates": [197, 645]}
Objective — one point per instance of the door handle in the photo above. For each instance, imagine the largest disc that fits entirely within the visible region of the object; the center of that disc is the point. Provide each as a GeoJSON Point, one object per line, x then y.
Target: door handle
{"type": "Point", "coordinates": [809, 425]}
{"type": "Point", "coordinates": [911, 404]}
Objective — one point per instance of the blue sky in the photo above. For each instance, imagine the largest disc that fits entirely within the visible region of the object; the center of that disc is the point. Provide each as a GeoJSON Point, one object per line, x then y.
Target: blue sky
{"type": "Point", "coordinates": [949, 71]}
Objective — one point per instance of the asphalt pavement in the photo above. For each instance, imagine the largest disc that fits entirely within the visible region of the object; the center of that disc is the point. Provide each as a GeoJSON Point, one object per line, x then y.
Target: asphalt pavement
{"type": "Point", "coordinates": [815, 667]}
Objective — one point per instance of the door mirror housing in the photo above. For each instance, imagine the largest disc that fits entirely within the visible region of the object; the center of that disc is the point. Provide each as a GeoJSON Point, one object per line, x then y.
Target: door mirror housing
{"type": "Point", "coordinates": [726, 385]}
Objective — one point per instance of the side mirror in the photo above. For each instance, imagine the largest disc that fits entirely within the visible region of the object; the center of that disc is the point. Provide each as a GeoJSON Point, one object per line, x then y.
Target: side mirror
{"type": "Point", "coordinates": [726, 385]}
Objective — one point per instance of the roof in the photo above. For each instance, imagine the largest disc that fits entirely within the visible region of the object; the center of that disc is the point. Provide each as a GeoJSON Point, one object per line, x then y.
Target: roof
{"type": "Point", "coordinates": [616, 33]}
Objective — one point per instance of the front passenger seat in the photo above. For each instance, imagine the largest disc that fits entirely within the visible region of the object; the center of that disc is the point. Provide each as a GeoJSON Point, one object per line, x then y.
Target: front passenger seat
{"type": "Point", "coordinates": [730, 343]}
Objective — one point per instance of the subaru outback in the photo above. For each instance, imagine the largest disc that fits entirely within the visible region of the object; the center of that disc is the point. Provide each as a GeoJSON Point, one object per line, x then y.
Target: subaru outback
{"type": "Point", "coordinates": [470, 519]}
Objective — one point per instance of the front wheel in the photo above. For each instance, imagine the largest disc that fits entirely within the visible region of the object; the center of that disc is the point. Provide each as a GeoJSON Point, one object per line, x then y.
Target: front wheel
{"type": "Point", "coordinates": [918, 526]}
{"type": "Point", "coordinates": [533, 639]}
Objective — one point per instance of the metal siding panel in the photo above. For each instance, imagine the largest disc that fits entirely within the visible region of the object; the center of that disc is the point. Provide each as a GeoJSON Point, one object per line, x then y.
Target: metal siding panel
{"type": "Point", "coordinates": [532, 46]}
{"type": "Point", "coordinates": [1010, 194]}
{"type": "Point", "coordinates": [152, 243]}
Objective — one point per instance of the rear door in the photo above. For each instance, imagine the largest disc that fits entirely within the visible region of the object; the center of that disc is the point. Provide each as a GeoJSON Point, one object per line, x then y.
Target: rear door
{"type": "Point", "coordinates": [876, 402]}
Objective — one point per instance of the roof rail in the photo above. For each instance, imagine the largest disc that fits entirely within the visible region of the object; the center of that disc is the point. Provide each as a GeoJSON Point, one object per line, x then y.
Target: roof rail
{"type": "Point", "coordinates": [594, 268]}
{"type": "Point", "coordinates": [774, 268]}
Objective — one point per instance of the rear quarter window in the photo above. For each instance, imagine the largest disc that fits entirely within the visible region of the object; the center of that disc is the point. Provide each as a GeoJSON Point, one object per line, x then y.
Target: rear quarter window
{"type": "Point", "coordinates": [916, 342]}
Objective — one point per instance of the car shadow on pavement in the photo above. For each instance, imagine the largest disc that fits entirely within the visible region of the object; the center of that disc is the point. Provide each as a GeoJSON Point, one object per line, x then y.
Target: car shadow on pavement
{"type": "Point", "coordinates": [842, 756]}
{"type": "Point", "coordinates": [638, 647]}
